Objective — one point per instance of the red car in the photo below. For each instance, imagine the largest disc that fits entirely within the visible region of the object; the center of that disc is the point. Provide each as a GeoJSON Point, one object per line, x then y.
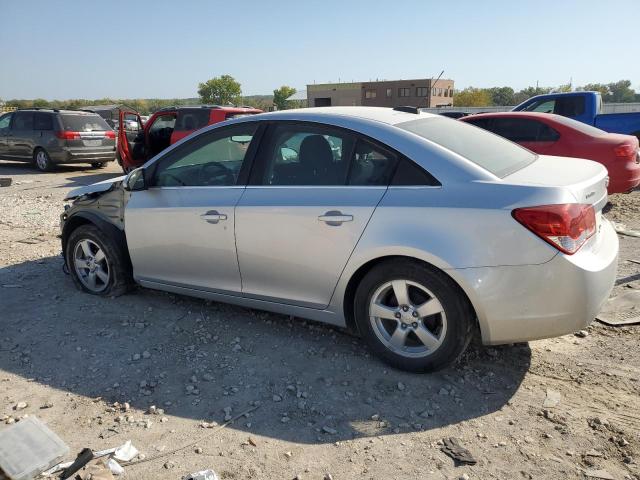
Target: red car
{"type": "Point", "coordinates": [138, 141]}
{"type": "Point", "coordinates": [550, 134]}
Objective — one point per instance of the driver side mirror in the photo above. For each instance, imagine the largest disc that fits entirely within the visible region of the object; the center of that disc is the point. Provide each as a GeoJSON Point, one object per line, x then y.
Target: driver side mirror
{"type": "Point", "coordinates": [135, 180]}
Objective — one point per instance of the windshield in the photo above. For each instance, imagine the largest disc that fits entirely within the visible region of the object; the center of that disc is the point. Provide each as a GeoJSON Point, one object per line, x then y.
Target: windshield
{"type": "Point", "coordinates": [491, 152]}
{"type": "Point", "coordinates": [84, 123]}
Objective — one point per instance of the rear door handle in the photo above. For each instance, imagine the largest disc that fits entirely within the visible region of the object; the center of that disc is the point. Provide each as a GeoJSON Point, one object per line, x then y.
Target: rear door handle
{"type": "Point", "coordinates": [335, 218]}
{"type": "Point", "coordinates": [213, 216]}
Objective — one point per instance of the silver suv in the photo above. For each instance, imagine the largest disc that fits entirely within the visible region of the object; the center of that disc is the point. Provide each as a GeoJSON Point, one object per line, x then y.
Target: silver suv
{"type": "Point", "coordinates": [50, 137]}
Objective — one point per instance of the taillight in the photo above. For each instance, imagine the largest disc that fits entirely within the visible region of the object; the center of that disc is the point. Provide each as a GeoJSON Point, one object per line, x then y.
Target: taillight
{"type": "Point", "coordinates": [566, 227]}
{"type": "Point", "coordinates": [110, 134]}
{"type": "Point", "coordinates": [67, 135]}
{"type": "Point", "coordinates": [625, 150]}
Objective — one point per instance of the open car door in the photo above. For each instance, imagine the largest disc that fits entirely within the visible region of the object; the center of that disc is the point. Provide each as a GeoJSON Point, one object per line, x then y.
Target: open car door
{"type": "Point", "coordinates": [131, 140]}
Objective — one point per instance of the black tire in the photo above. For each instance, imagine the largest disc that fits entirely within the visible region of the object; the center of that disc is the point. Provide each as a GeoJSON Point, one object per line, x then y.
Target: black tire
{"type": "Point", "coordinates": [119, 270]}
{"type": "Point", "coordinates": [42, 160]}
{"type": "Point", "coordinates": [97, 165]}
{"type": "Point", "coordinates": [458, 314]}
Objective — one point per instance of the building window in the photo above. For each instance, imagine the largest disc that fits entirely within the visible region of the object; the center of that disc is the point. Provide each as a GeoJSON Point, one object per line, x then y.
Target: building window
{"type": "Point", "coordinates": [422, 91]}
{"type": "Point", "coordinates": [404, 92]}
{"type": "Point", "coordinates": [451, 92]}
{"type": "Point", "coordinates": [389, 92]}
{"type": "Point", "coordinates": [370, 94]}
{"type": "Point", "coordinates": [434, 91]}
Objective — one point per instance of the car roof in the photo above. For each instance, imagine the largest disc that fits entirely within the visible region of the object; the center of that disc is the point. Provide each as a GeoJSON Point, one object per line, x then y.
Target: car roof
{"type": "Point", "coordinates": [378, 114]}
{"type": "Point", "coordinates": [540, 115]}
{"type": "Point", "coordinates": [55, 110]}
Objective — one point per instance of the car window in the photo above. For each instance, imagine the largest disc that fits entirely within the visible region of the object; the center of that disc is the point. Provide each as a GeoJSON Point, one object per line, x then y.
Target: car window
{"type": "Point", "coordinates": [480, 122]}
{"type": "Point", "coordinates": [570, 106]}
{"type": "Point", "coordinates": [371, 165]}
{"type": "Point", "coordinates": [544, 106]}
{"type": "Point", "coordinates": [43, 121]}
{"type": "Point", "coordinates": [23, 121]}
{"type": "Point", "coordinates": [489, 151]}
{"type": "Point", "coordinates": [5, 120]}
{"type": "Point", "coordinates": [523, 130]}
{"type": "Point", "coordinates": [408, 173]}
{"type": "Point", "coordinates": [163, 121]}
{"type": "Point", "coordinates": [84, 122]}
{"type": "Point", "coordinates": [192, 119]}
{"type": "Point", "coordinates": [307, 155]}
{"type": "Point", "coordinates": [581, 127]}
{"type": "Point", "coordinates": [211, 159]}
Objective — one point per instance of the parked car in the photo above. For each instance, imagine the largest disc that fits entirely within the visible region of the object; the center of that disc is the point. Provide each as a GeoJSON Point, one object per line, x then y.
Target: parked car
{"type": "Point", "coordinates": [50, 137]}
{"type": "Point", "coordinates": [413, 229]}
{"type": "Point", "coordinates": [454, 114]}
{"type": "Point", "coordinates": [550, 134]}
{"type": "Point", "coordinates": [584, 107]}
{"type": "Point", "coordinates": [142, 140]}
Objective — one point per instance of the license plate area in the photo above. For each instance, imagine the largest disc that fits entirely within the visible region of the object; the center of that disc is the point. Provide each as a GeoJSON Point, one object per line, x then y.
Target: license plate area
{"type": "Point", "coordinates": [92, 143]}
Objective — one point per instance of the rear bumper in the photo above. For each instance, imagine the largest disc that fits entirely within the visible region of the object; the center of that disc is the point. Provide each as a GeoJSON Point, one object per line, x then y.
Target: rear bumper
{"type": "Point", "coordinates": [68, 155]}
{"type": "Point", "coordinates": [563, 295]}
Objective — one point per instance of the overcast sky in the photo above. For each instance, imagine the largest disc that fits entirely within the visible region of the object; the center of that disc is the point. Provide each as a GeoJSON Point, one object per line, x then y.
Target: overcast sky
{"type": "Point", "coordinates": [133, 49]}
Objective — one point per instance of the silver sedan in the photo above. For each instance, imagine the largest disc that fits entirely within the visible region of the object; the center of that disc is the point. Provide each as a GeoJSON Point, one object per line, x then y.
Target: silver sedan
{"type": "Point", "coordinates": [413, 229]}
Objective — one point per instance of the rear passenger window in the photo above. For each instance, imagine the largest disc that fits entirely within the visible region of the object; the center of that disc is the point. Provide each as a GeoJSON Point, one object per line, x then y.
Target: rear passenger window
{"type": "Point", "coordinates": [523, 130]}
{"type": "Point", "coordinates": [43, 121]}
{"type": "Point", "coordinates": [371, 165]}
{"type": "Point", "coordinates": [192, 119]}
{"type": "Point", "coordinates": [409, 173]}
{"type": "Point", "coordinates": [23, 121]}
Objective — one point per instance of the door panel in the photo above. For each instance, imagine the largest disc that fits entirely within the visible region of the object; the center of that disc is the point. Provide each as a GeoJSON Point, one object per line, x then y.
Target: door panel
{"type": "Point", "coordinates": [20, 139]}
{"type": "Point", "coordinates": [173, 237]}
{"type": "Point", "coordinates": [5, 122]}
{"type": "Point", "coordinates": [287, 252]}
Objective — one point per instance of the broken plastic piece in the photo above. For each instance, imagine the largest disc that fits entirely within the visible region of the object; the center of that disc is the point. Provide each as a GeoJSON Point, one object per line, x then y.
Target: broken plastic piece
{"type": "Point", "coordinates": [455, 450]}
{"type": "Point", "coordinates": [115, 467]}
{"type": "Point", "coordinates": [28, 448]}
{"type": "Point", "coordinates": [203, 475]}
{"type": "Point", "coordinates": [126, 452]}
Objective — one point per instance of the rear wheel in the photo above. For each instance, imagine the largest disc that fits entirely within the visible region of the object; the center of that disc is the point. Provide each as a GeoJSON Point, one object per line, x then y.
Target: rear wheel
{"type": "Point", "coordinates": [95, 262]}
{"type": "Point", "coordinates": [413, 316]}
{"type": "Point", "coordinates": [42, 160]}
{"type": "Point", "coordinates": [97, 165]}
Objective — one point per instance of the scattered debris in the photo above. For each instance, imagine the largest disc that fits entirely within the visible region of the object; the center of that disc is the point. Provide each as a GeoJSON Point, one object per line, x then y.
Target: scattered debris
{"type": "Point", "coordinates": [582, 334]}
{"type": "Point", "coordinates": [622, 229]}
{"type": "Point", "coordinates": [126, 452]}
{"type": "Point", "coordinates": [20, 406]}
{"type": "Point", "coordinates": [552, 399]}
{"type": "Point", "coordinates": [84, 457]}
{"type": "Point", "coordinates": [455, 450]}
{"type": "Point", "coordinates": [602, 474]}
{"type": "Point", "coordinates": [203, 475]}
{"type": "Point", "coordinates": [5, 181]}
{"type": "Point", "coordinates": [621, 310]}
{"type": "Point", "coordinates": [115, 467]}
{"type": "Point", "coordinates": [28, 448]}
{"type": "Point", "coordinates": [252, 442]}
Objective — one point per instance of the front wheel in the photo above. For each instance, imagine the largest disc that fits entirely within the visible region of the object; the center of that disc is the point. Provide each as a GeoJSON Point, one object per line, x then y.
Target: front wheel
{"type": "Point", "coordinates": [413, 316]}
{"type": "Point", "coordinates": [42, 160]}
{"type": "Point", "coordinates": [95, 262]}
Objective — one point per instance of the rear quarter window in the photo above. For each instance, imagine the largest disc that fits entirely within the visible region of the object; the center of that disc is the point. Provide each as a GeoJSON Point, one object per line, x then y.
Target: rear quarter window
{"type": "Point", "coordinates": [491, 152]}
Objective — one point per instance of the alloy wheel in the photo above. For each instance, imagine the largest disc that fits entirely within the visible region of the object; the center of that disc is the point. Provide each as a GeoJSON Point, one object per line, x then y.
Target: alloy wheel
{"type": "Point", "coordinates": [407, 318]}
{"type": "Point", "coordinates": [41, 160]}
{"type": "Point", "coordinates": [91, 265]}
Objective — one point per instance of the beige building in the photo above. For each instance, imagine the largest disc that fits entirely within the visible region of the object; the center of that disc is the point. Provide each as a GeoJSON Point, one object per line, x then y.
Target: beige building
{"type": "Point", "coordinates": [394, 93]}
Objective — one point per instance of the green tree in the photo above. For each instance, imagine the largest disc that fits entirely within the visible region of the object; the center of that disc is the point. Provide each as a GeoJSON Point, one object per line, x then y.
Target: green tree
{"type": "Point", "coordinates": [502, 95]}
{"type": "Point", "coordinates": [281, 95]}
{"type": "Point", "coordinates": [620, 92]}
{"type": "Point", "coordinates": [472, 97]}
{"type": "Point", "coordinates": [564, 88]}
{"type": "Point", "coordinates": [595, 87]}
{"type": "Point", "coordinates": [220, 90]}
{"type": "Point", "coordinates": [527, 93]}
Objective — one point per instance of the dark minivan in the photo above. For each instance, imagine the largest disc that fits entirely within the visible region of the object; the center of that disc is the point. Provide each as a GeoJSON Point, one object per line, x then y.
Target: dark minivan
{"type": "Point", "coordinates": [48, 137]}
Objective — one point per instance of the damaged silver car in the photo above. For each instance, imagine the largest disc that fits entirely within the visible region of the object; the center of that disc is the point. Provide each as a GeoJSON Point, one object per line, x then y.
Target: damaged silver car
{"type": "Point", "coordinates": [413, 229]}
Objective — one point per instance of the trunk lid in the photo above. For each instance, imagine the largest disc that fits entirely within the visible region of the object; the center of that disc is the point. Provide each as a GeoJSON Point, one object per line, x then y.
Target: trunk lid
{"type": "Point", "coordinates": [585, 179]}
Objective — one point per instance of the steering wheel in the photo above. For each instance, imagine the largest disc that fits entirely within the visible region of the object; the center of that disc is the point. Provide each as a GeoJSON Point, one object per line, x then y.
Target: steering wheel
{"type": "Point", "coordinates": [219, 171]}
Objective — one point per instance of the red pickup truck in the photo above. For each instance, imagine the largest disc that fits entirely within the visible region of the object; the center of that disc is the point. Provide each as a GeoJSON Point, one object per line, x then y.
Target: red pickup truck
{"type": "Point", "coordinates": [138, 142]}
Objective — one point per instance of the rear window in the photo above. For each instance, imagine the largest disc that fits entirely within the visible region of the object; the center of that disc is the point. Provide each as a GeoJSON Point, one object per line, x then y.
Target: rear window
{"type": "Point", "coordinates": [83, 122]}
{"type": "Point", "coordinates": [189, 120]}
{"type": "Point", "coordinates": [581, 127]}
{"type": "Point", "coordinates": [491, 152]}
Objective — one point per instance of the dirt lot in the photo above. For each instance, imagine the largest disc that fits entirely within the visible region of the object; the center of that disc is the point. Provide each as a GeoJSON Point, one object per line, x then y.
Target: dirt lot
{"type": "Point", "coordinates": [324, 405]}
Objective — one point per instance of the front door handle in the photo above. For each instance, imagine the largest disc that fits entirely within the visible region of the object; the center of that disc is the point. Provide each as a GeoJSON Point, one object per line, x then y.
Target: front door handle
{"type": "Point", "coordinates": [213, 216]}
{"type": "Point", "coordinates": [335, 218]}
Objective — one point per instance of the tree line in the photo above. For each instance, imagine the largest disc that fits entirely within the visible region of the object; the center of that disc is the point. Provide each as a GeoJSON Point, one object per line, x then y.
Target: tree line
{"type": "Point", "coordinates": [615, 92]}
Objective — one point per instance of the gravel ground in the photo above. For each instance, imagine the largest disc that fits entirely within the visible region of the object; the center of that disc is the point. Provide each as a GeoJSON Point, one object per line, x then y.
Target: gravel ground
{"type": "Point", "coordinates": [320, 404]}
